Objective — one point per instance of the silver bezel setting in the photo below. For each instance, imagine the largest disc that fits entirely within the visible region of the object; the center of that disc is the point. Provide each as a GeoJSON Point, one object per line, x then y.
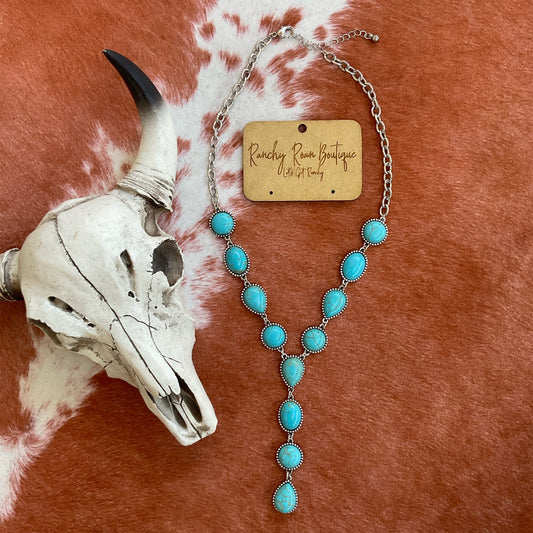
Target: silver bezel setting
{"type": "Point", "coordinates": [247, 261]}
{"type": "Point", "coordinates": [284, 331]}
{"type": "Point", "coordinates": [279, 415]}
{"type": "Point", "coordinates": [295, 493]}
{"type": "Point", "coordinates": [386, 231]}
{"type": "Point", "coordinates": [364, 269]}
{"type": "Point", "coordinates": [266, 299]}
{"type": "Point", "coordinates": [301, 460]}
{"type": "Point", "coordinates": [219, 234]}
{"type": "Point", "coordinates": [308, 349]}
{"type": "Point", "coordinates": [324, 299]}
{"type": "Point", "coordinates": [281, 369]}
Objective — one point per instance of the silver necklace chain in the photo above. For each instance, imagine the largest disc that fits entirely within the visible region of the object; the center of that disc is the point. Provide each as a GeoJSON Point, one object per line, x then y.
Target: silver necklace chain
{"type": "Point", "coordinates": [288, 32]}
{"type": "Point", "coordinates": [285, 498]}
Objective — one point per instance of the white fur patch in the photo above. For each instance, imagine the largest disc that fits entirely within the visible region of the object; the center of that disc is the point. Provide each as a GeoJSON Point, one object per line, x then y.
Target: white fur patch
{"type": "Point", "coordinates": [56, 385]}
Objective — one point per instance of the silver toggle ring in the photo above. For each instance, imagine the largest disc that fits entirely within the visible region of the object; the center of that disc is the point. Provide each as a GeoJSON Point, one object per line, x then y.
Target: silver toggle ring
{"type": "Point", "coordinates": [286, 32]}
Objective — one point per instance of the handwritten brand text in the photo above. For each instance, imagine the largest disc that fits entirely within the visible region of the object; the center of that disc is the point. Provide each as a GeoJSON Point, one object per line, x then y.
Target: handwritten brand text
{"type": "Point", "coordinates": [301, 161]}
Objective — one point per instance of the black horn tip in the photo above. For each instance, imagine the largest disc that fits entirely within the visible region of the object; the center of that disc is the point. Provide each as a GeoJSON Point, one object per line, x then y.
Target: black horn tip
{"type": "Point", "coordinates": [142, 89]}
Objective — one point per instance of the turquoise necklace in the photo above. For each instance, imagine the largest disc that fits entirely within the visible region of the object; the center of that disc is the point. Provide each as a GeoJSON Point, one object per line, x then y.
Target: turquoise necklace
{"type": "Point", "coordinates": [273, 335]}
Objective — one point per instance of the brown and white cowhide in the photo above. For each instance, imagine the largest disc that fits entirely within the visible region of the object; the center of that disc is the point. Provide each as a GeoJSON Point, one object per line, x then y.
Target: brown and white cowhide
{"type": "Point", "coordinates": [418, 414]}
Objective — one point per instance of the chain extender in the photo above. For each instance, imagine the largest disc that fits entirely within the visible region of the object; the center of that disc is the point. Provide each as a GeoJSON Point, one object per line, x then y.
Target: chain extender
{"type": "Point", "coordinates": [288, 32]}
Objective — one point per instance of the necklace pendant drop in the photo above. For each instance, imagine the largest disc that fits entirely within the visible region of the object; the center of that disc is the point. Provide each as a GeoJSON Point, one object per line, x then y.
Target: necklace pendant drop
{"type": "Point", "coordinates": [289, 455]}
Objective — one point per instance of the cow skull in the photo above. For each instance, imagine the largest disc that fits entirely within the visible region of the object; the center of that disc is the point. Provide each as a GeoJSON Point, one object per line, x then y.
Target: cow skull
{"type": "Point", "coordinates": [102, 279]}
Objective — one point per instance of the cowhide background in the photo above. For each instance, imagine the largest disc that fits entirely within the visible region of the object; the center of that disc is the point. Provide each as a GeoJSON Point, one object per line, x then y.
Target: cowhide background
{"type": "Point", "coordinates": [418, 414]}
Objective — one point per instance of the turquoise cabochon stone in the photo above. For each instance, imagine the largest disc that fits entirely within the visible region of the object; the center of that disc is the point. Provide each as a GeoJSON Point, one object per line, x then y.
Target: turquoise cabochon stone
{"type": "Point", "coordinates": [353, 266]}
{"type": "Point", "coordinates": [292, 370]}
{"type": "Point", "coordinates": [334, 303]}
{"type": "Point", "coordinates": [314, 339]}
{"type": "Point", "coordinates": [290, 456]}
{"type": "Point", "coordinates": [285, 498]}
{"type": "Point", "coordinates": [273, 336]}
{"type": "Point", "coordinates": [222, 223]}
{"type": "Point", "coordinates": [254, 298]}
{"type": "Point", "coordinates": [374, 231]}
{"type": "Point", "coordinates": [290, 415]}
{"type": "Point", "coordinates": [236, 260]}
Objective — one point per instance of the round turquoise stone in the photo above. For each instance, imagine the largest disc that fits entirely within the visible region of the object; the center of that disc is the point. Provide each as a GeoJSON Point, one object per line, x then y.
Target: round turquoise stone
{"type": "Point", "coordinates": [353, 266]}
{"type": "Point", "coordinates": [334, 303]}
{"type": "Point", "coordinates": [292, 370]}
{"type": "Point", "coordinates": [222, 223]}
{"type": "Point", "coordinates": [285, 498]}
{"type": "Point", "coordinates": [290, 415]}
{"type": "Point", "coordinates": [273, 336]}
{"type": "Point", "coordinates": [374, 231]}
{"type": "Point", "coordinates": [314, 339]}
{"type": "Point", "coordinates": [254, 298]}
{"type": "Point", "coordinates": [236, 260]}
{"type": "Point", "coordinates": [290, 456]}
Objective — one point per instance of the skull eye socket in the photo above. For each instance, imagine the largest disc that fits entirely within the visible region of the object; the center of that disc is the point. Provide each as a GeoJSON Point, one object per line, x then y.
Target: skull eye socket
{"type": "Point", "coordinates": [167, 259]}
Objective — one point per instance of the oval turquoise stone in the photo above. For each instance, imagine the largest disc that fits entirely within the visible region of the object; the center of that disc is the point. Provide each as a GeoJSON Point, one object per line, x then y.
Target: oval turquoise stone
{"type": "Point", "coordinates": [290, 456]}
{"type": "Point", "coordinates": [273, 336]}
{"type": "Point", "coordinates": [314, 339]}
{"type": "Point", "coordinates": [236, 260]}
{"type": "Point", "coordinates": [290, 415]}
{"type": "Point", "coordinates": [374, 231]}
{"type": "Point", "coordinates": [254, 298]}
{"type": "Point", "coordinates": [222, 223]}
{"type": "Point", "coordinates": [353, 266]}
{"type": "Point", "coordinates": [334, 303]}
{"type": "Point", "coordinates": [292, 370]}
{"type": "Point", "coordinates": [285, 498]}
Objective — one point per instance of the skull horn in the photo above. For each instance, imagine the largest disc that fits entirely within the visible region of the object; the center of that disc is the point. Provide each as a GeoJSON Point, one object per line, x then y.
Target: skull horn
{"type": "Point", "coordinates": [9, 278]}
{"type": "Point", "coordinates": [153, 174]}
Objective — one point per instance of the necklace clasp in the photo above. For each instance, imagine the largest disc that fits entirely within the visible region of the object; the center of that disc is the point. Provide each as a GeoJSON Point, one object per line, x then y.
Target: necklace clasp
{"type": "Point", "coordinates": [286, 32]}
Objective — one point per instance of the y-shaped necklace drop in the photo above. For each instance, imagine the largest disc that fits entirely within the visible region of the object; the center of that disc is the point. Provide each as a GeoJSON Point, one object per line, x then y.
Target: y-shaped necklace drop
{"type": "Point", "coordinates": [273, 335]}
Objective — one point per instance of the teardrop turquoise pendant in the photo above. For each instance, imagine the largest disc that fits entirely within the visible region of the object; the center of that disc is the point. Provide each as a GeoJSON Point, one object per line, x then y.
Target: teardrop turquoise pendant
{"type": "Point", "coordinates": [292, 369]}
{"type": "Point", "coordinates": [334, 303]}
{"type": "Point", "coordinates": [254, 298]}
{"type": "Point", "coordinates": [285, 498]}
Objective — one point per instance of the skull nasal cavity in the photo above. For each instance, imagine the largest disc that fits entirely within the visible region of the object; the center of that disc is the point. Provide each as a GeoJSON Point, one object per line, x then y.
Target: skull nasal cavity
{"type": "Point", "coordinates": [167, 259]}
